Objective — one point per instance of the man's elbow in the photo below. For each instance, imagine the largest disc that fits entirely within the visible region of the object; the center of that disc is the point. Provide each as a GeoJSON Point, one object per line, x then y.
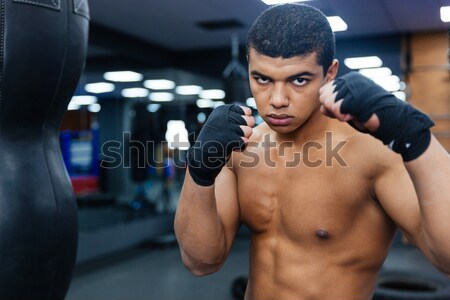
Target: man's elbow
{"type": "Point", "coordinates": [442, 264]}
{"type": "Point", "coordinates": [201, 268]}
{"type": "Point", "coordinates": [200, 271]}
{"type": "Point", "coordinates": [445, 270]}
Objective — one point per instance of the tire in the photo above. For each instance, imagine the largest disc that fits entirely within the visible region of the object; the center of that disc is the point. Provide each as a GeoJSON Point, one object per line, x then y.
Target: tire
{"type": "Point", "coordinates": [411, 286]}
{"type": "Point", "coordinates": [238, 288]}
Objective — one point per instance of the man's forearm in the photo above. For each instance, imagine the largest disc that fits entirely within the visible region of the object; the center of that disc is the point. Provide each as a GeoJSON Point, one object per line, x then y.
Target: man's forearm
{"type": "Point", "coordinates": [198, 228]}
{"type": "Point", "coordinates": [430, 174]}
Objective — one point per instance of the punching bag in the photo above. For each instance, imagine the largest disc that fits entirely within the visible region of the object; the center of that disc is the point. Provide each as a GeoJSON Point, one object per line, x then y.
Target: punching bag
{"type": "Point", "coordinates": [43, 49]}
{"type": "Point", "coordinates": [237, 89]}
{"type": "Point", "coordinates": [237, 86]}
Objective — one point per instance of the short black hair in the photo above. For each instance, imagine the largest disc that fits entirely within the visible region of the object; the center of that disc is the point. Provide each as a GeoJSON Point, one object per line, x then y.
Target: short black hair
{"type": "Point", "coordinates": [290, 30]}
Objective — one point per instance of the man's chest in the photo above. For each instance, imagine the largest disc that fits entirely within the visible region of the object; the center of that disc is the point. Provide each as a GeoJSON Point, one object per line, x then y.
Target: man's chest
{"type": "Point", "coordinates": [302, 200]}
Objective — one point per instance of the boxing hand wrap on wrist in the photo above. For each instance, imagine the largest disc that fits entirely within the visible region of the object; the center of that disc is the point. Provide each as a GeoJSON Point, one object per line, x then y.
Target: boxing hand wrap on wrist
{"type": "Point", "coordinates": [403, 128]}
{"type": "Point", "coordinates": [218, 137]}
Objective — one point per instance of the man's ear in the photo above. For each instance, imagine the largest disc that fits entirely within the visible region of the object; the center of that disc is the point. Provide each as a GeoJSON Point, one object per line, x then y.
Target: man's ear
{"type": "Point", "coordinates": [332, 71]}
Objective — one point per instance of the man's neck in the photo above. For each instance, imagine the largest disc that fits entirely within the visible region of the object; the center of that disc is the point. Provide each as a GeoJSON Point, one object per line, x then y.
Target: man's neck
{"type": "Point", "coordinates": [312, 129]}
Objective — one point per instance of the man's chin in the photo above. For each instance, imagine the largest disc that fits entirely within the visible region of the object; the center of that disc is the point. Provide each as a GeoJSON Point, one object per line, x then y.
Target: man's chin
{"type": "Point", "coordinates": [284, 129]}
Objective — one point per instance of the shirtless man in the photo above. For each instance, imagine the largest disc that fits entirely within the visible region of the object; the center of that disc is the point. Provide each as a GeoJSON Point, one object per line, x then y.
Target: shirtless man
{"type": "Point", "coordinates": [321, 226]}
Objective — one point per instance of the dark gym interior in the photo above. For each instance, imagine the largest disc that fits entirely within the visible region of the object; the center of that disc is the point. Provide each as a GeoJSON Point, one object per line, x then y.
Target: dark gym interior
{"type": "Point", "coordinates": [154, 71]}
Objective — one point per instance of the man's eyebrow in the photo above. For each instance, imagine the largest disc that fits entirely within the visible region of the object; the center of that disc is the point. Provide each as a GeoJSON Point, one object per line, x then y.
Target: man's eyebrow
{"type": "Point", "coordinates": [290, 78]}
{"type": "Point", "coordinates": [301, 74]}
{"type": "Point", "coordinates": [256, 73]}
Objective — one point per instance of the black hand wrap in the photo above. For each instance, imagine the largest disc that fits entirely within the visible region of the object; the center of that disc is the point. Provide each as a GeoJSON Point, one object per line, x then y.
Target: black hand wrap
{"type": "Point", "coordinates": [405, 129]}
{"type": "Point", "coordinates": [218, 137]}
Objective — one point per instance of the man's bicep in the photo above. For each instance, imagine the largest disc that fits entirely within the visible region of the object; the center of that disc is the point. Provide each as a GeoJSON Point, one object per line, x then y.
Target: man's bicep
{"type": "Point", "coordinates": [227, 203]}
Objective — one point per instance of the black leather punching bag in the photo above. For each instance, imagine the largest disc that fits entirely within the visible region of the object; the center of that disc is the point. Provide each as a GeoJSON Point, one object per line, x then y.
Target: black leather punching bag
{"type": "Point", "coordinates": [42, 53]}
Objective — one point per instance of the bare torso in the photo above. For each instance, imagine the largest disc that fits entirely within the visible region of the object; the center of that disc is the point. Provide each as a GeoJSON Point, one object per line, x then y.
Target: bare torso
{"type": "Point", "coordinates": [317, 232]}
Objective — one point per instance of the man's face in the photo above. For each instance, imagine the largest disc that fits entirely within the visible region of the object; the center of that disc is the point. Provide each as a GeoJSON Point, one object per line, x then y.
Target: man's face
{"type": "Point", "coordinates": [286, 91]}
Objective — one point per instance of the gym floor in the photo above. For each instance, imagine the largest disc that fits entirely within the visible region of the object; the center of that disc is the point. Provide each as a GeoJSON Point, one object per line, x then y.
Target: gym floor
{"type": "Point", "coordinates": [155, 272]}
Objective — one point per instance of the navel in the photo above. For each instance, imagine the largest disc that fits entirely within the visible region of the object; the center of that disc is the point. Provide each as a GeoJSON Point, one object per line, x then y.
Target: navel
{"type": "Point", "coordinates": [322, 234]}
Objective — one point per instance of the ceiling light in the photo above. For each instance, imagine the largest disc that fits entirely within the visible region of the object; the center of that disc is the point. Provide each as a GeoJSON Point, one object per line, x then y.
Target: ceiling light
{"type": "Point", "coordinates": [73, 106]}
{"type": "Point", "coordinates": [201, 117]}
{"type": "Point", "coordinates": [177, 136]}
{"type": "Point", "coordinates": [135, 93]}
{"type": "Point", "coordinates": [390, 83]}
{"type": "Point", "coordinates": [445, 13]}
{"type": "Point", "coordinates": [251, 102]}
{"type": "Point", "coordinates": [274, 2]}
{"type": "Point", "coordinates": [376, 72]}
{"type": "Point", "coordinates": [99, 87]}
{"type": "Point", "coordinates": [154, 107]}
{"type": "Point", "coordinates": [212, 94]}
{"type": "Point", "coordinates": [363, 62]}
{"type": "Point", "coordinates": [337, 24]}
{"type": "Point", "coordinates": [161, 97]}
{"type": "Point", "coordinates": [94, 108]}
{"type": "Point", "coordinates": [204, 103]}
{"type": "Point", "coordinates": [188, 89]}
{"type": "Point", "coordinates": [400, 95]}
{"type": "Point", "coordinates": [123, 76]}
{"type": "Point", "coordinates": [83, 100]}
{"type": "Point", "coordinates": [159, 84]}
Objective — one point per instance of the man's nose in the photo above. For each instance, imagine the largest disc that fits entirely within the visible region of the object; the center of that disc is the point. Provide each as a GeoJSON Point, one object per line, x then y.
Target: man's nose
{"type": "Point", "coordinates": [279, 97]}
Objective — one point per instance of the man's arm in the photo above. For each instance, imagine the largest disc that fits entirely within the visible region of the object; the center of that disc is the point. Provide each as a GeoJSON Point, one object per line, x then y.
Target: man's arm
{"type": "Point", "coordinates": [208, 212]}
{"type": "Point", "coordinates": [430, 174]}
{"type": "Point", "coordinates": [422, 210]}
{"type": "Point", "coordinates": [206, 222]}
{"type": "Point", "coordinates": [395, 190]}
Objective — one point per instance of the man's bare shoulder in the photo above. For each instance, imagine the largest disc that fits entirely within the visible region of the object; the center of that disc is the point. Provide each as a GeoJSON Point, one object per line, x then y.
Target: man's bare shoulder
{"type": "Point", "coordinates": [366, 148]}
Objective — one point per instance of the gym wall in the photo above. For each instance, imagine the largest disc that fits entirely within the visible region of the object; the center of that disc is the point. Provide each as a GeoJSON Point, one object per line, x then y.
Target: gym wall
{"type": "Point", "coordinates": [428, 76]}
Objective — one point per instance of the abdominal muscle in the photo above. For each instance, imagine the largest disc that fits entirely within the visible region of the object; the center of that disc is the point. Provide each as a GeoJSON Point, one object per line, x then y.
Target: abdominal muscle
{"type": "Point", "coordinates": [308, 250]}
{"type": "Point", "coordinates": [321, 248]}
{"type": "Point", "coordinates": [282, 271]}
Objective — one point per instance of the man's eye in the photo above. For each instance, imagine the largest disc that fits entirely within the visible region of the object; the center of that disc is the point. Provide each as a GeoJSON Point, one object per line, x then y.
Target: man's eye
{"type": "Point", "coordinates": [300, 81]}
{"type": "Point", "coordinates": [262, 80]}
